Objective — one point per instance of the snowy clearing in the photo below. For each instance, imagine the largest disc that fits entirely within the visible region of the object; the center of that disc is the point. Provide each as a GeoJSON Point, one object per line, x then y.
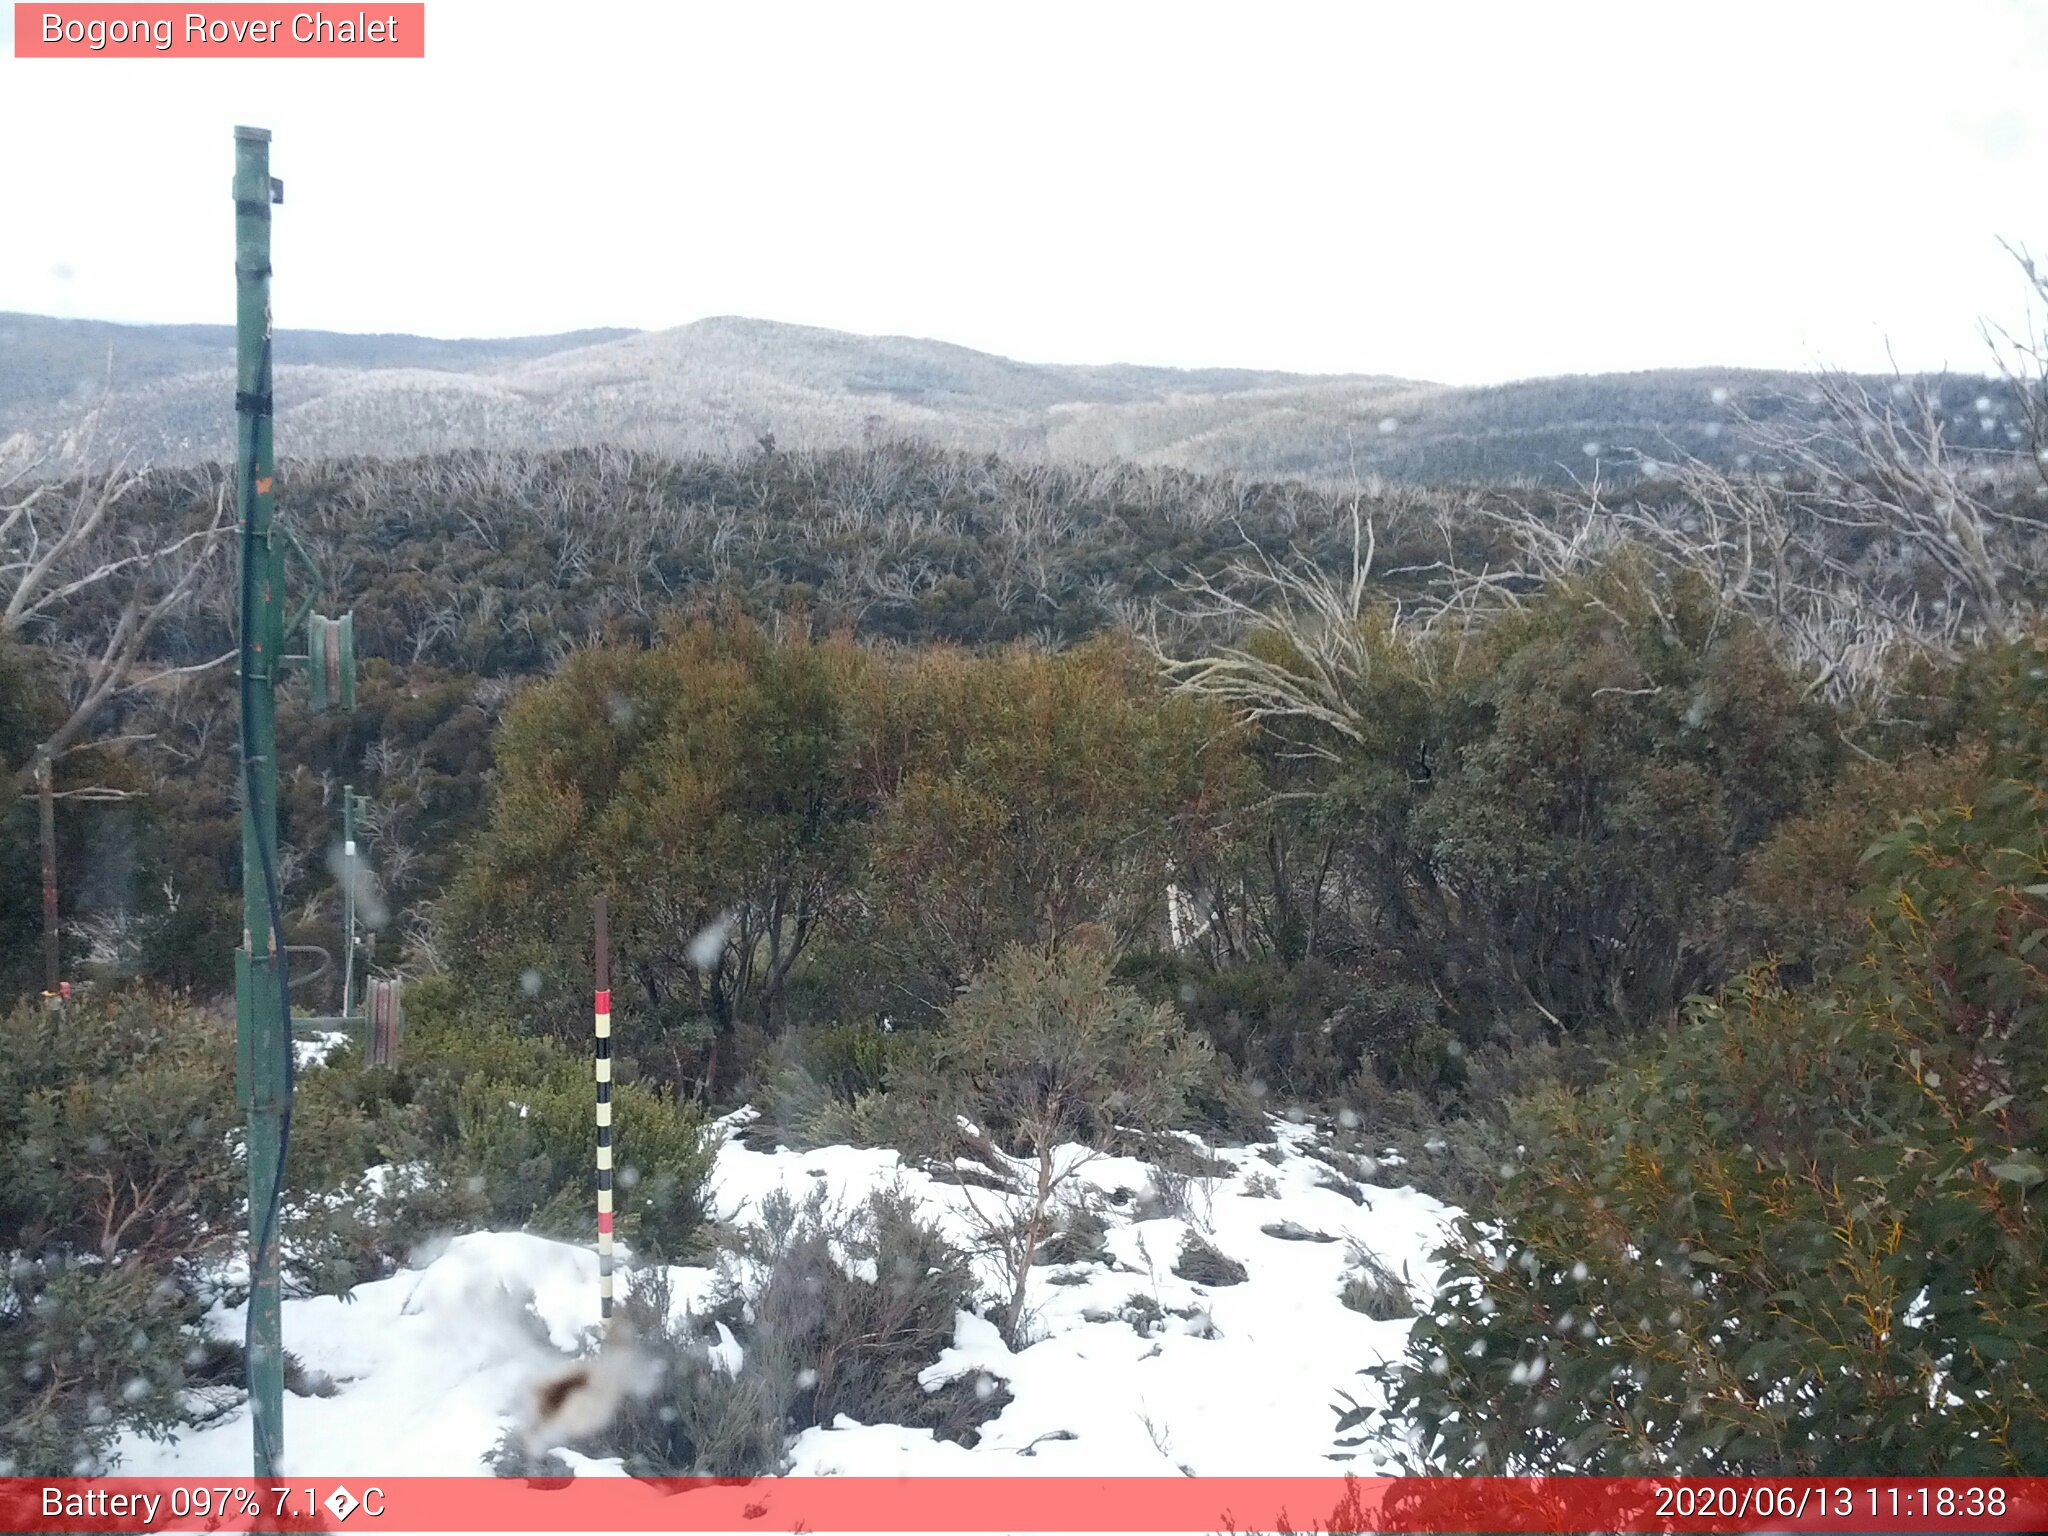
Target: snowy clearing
{"type": "Point", "coordinates": [1131, 1370]}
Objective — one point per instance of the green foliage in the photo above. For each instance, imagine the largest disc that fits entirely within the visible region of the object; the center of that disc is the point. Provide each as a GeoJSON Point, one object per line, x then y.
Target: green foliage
{"type": "Point", "coordinates": [707, 786]}
{"type": "Point", "coordinates": [856, 832]}
{"type": "Point", "coordinates": [1797, 900]}
{"type": "Point", "coordinates": [1041, 1050]}
{"type": "Point", "coordinates": [27, 705]}
{"type": "Point", "coordinates": [1483, 841]}
{"type": "Point", "coordinates": [500, 1126]}
{"type": "Point", "coordinates": [836, 1312]}
{"type": "Point", "coordinates": [88, 1351]}
{"type": "Point", "coordinates": [529, 1143]}
{"type": "Point", "coordinates": [918, 1115]}
{"type": "Point", "coordinates": [852, 1059]}
{"type": "Point", "coordinates": [583, 548]}
{"type": "Point", "coordinates": [810, 1078]}
{"type": "Point", "coordinates": [1264, 1017]}
{"type": "Point", "coordinates": [1047, 1049]}
{"type": "Point", "coordinates": [1806, 1233]}
{"type": "Point", "coordinates": [124, 1108]}
{"type": "Point", "coordinates": [1612, 753]}
{"type": "Point", "coordinates": [1024, 795]}
{"type": "Point", "coordinates": [117, 1183]}
{"type": "Point", "coordinates": [95, 858]}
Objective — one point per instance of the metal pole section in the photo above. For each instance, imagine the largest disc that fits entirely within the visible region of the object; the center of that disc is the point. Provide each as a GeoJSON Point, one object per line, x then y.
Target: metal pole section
{"type": "Point", "coordinates": [47, 818]}
{"type": "Point", "coordinates": [262, 1015]}
{"type": "Point", "coordinates": [348, 897]}
{"type": "Point", "coordinates": [603, 1014]}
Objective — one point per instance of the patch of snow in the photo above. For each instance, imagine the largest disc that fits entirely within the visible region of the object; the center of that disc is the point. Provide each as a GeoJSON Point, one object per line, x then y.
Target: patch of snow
{"type": "Point", "coordinates": [434, 1365]}
{"type": "Point", "coordinates": [314, 1050]}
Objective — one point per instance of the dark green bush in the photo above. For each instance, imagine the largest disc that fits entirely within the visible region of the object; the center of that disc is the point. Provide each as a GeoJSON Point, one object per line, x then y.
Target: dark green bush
{"type": "Point", "coordinates": [122, 1109]}
{"type": "Point", "coordinates": [89, 1350]}
{"type": "Point", "coordinates": [530, 1144]}
{"type": "Point", "coordinates": [118, 1185]}
{"type": "Point", "coordinates": [448, 1122]}
{"type": "Point", "coordinates": [1806, 1233]}
{"type": "Point", "coordinates": [1269, 1020]}
{"type": "Point", "coordinates": [850, 1060]}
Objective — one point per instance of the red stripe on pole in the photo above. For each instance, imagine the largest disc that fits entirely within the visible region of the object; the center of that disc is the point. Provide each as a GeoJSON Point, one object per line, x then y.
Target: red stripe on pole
{"type": "Point", "coordinates": [604, 1221]}
{"type": "Point", "coordinates": [604, 1001]}
{"type": "Point", "coordinates": [1683, 1506]}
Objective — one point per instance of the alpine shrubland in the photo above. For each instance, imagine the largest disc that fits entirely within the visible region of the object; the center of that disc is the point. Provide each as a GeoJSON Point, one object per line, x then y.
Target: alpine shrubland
{"type": "Point", "coordinates": [1656, 875]}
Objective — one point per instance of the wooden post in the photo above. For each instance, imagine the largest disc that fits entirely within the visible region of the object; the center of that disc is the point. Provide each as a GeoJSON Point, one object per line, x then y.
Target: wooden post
{"type": "Point", "coordinates": [602, 1014]}
{"type": "Point", "coordinates": [386, 1020]}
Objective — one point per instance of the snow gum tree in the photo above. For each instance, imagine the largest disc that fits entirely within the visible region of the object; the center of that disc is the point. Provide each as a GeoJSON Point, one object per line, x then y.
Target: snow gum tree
{"type": "Point", "coordinates": [707, 786]}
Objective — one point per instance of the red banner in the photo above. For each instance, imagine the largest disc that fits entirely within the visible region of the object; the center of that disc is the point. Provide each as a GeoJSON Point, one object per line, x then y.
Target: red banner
{"type": "Point", "coordinates": [378, 31]}
{"type": "Point", "coordinates": [993, 1504]}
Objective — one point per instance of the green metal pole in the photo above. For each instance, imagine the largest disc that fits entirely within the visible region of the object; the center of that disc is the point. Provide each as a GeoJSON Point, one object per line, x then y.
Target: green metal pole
{"type": "Point", "coordinates": [46, 818]}
{"type": "Point", "coordinates": [263, 1040]}
{"type": "Point", "coordinates": [348, 898]}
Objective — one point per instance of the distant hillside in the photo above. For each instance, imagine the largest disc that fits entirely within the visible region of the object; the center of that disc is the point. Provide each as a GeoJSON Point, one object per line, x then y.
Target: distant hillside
{"type": "Point", "coordinates": [722, 384]}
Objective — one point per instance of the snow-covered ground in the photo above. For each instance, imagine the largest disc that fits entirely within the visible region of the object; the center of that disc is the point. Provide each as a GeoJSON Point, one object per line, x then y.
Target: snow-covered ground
{"type": "Point", "coordinates": [430, 1367]}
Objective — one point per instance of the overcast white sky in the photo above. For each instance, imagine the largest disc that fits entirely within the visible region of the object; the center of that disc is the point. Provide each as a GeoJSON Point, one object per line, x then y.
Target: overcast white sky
{"type": "Point", "coordinates": [1463, 192]}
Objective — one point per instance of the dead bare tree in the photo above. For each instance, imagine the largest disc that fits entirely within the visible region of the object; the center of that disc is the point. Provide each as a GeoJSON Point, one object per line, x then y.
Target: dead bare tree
{"type": "Point", "coordinates": [1853, 540]}
{"type": "Point", "coordinates": [1867, 536]}
{"type": "Point", "coordinates": [67, 546]}
{"type": "Point", "coordinates": [1881, 465]}
{"type": "Point", "coordinates": [2022, 358]}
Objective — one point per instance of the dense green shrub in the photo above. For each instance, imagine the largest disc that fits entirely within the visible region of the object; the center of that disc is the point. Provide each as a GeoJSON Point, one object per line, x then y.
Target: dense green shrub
{"type": "Point", "coordinates": [118, 1142]}
{"type": "Point", "coordinates": [90, 1350]}
{"type": "Point", "coordinates": [1613, 753]}
{"type": "Point", "coordinates": [1024, 797]}
{"type": "Point", "coordinates": [850, 1060]}
{"type": "Point", "coordinates": [797, 832]}
{"type": "Point", "coordinates": [478, 1125]}
{"type": "Point", "coordinates": [708, 785]}
{"type": "Point", "coordinates": [1047, 1049]}
{"type": "Point", "coordinates": [1797, 899]}
{"type": "Point", "coordinates": [529, 1143]}
{"type": "Point", "coordinates": [1533, 821]}
{"type": "Point", "coordinates": [1806, 1234]}
{"type": "Point", "coordinates": [810, 1084]}
{"type": "Point", "coordinates": [1274, 1023]}
{"type": "Point", "coordinates": [118, 1186]}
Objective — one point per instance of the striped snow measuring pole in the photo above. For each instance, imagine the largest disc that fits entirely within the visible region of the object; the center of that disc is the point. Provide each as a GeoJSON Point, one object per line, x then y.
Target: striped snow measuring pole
{"type": "Point", "coordinates": [603, 1014]}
